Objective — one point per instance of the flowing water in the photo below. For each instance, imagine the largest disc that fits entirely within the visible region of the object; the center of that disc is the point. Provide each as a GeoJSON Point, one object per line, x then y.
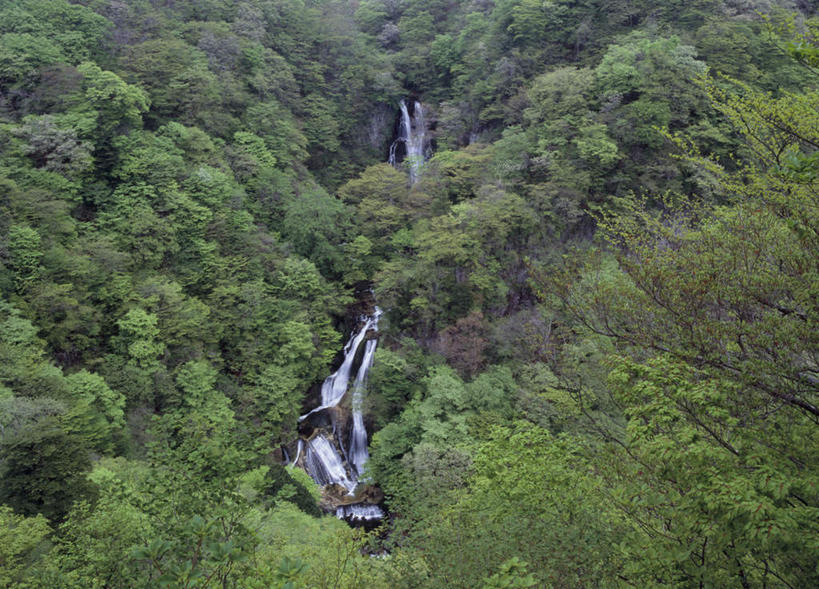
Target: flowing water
{"type": "Point", "coordinates": [359, 512]}
{"type": "Point", "coordinates": [324, 464]}
{"type": "Point", "coordinates": [412, 132]}
{"type": "Point", "coordinates": [321, 458]}
{"type": "Point", "coordinates": [335, 386]}
{"type": "Point", "coordinates": [298, 452]}
{"type": "Point", "coordinates": [358, 442]}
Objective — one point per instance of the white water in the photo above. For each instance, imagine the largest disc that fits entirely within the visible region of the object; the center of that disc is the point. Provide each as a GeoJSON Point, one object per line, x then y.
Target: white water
{"type": "Point", "coordinates": [298, 451]}
{"type": "Point", "coordinates": [321, 459]}
{"type": "Point", "coordinates": [358, 443]}
{"type": "Point", "coordinates": [335, 385]}
{"type": "Point", "coordinates": [413, 134]}
{"type": "Point", "coordinates": [324, 464]}
{"type": "Point", "coordinates": [404, 132]}
{"type": "Point", "coordinates": [359, 512]}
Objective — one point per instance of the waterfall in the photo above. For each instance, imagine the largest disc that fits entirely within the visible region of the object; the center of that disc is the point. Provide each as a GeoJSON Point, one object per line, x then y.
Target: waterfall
{"type": "Point", "coordinates": [324, 464]}
{"type": "Point", "coordinates": [415, 142]}
{"type": "Point", "coordinates": [298, 451]}
{"type": "Point", "coordinates": [359, 512]}
{"type": "Point", "coordinates": [321, 458]}
{"type": "Point", "coordinates": [412, 132]}
{"type": "Point", "coordinates": [335, 385]}
{"type": "Point", "coordinates": [358, 444]}
{"type": "Point", "coordinates": [403, 130]}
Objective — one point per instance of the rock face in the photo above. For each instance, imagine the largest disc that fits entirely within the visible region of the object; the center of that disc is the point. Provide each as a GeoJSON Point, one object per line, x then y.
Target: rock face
{"type": "Point", "coordinates": [334, 496]}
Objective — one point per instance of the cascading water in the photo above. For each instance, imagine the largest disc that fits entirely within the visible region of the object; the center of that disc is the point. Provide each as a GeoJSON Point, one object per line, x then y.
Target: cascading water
{"type": "Point", "coordinates": [335, 385]}
{"type": "Point", "coordinates": [416, 144]}
{"type": "Point", "coordinates": [358, 443]}
{"type": "Point", "coordinates": [298, 452]}
{"type": "Point", "coordinates": [324, 464]}
{"type": "Point", "coordinates": [359, 512]}
{"type": "Point", "coordinates": [412, 132]}
{"type": "Point", "coordinates": [322, 460]}
{"type": "Point", "coordinates": [392, 159]}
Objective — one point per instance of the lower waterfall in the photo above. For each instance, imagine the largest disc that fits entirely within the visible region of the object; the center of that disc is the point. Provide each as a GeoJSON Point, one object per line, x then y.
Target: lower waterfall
{"type": "Point", "coordinates": [321, 457]}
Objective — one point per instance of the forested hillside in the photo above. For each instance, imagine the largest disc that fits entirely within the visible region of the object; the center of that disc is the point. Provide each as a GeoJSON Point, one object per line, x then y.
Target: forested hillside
{"type": "Point", "coordinates": [592, 227]}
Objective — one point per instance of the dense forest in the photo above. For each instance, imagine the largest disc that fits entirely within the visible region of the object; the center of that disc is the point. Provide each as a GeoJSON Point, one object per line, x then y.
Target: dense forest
{"type": "Point", "coordinates": [591, 229]}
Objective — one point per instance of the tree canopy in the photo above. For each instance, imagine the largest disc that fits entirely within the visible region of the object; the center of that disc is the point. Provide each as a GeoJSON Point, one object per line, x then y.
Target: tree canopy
{"type": "Point", "coordinates": [598, 361]}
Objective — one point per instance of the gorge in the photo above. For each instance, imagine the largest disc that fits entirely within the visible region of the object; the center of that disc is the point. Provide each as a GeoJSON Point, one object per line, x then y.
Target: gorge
{"type": "Point", "coordinates": [325, 457]}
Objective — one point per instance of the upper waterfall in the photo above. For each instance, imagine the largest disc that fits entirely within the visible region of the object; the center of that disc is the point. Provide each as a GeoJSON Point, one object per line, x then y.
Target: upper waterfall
{"type": "Point", "coordinates": [412, 132]}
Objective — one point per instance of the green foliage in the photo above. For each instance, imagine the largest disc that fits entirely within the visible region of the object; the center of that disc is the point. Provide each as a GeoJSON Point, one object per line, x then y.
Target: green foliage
{"type": "Point", "coordinates": [24, 253]}
{"type": "Point", "coordinates": [55, 149]}
{"type": "Point", "coordinates": [512, 573]}
{"type": "Point", "coordinates": [94, 391]}
{"type": "Point", "coordinates": [43, 468]}
{"type": "Point", "coordinates": [21, 57]}
{"type": "Point", "coordinates": [391, 385]}
{"type": "Point", "coordinates": [139, 334]}
{"type": "Point", "coordinates": [315, 223]}
{"type": "Point", "coordinates": [532, 490]}
{"type": "Point", "coordinates": [302, 478]}
{"type": "Point", "coordinates": [713, 335]}
{"type": "Point", "coordinates": [110, 106]}
{"type": "Point", "coordinates": [95, 543]}
{"type": "Point", "coordinates": [211, 553]}
{"type": "Point", "coordinates": [736, 507]}
{"type": "Point", "coordinates": [24, 368]}
{"type": "Point", "coordinates": [191, 194]}
{"type": "Point", "coordinates": [78, 42]}
{"type": "Point", "coordinates": [383, 202]}
{"type": "Point", "coordinates": [329, 552]}
{"type": "Point", "coordinates": [285, 484]}
{"type": "Point", "coordinates": [21, 539]}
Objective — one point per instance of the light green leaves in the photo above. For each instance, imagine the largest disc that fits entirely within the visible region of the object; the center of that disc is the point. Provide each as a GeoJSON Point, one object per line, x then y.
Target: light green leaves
{"type": "Point", "coordinates": [139, 332]}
